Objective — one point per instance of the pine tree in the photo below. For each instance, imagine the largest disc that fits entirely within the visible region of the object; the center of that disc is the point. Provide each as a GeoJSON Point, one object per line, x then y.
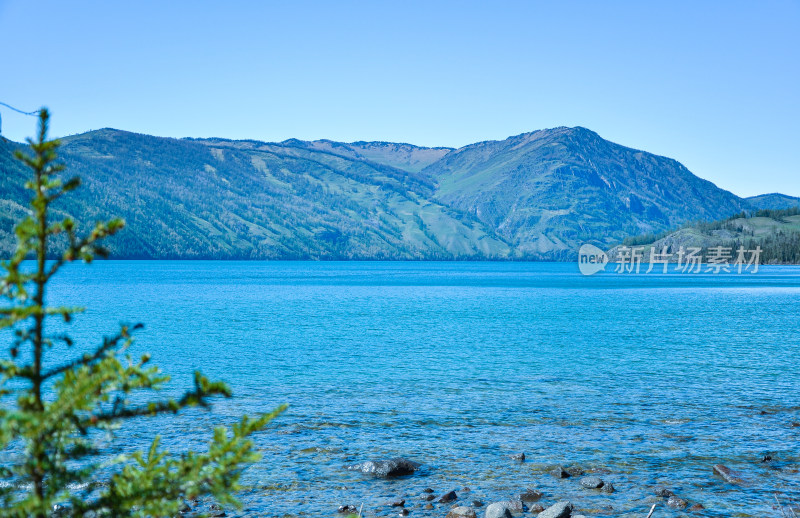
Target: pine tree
{"type": "Point", "coordinates": [49, 416]}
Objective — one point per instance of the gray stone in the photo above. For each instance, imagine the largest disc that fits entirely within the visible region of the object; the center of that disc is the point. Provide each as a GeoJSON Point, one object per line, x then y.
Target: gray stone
{"type": "Point", "coordinates": [498, 510]}
{"type": "Point", "coordinates": [386, 468]}
{"type": "Point", "coordinates": [562, 509]}
{"type": "Point", "coordinates": [608, 487]}
{"type": "Point", "coordinates": [592, 482]}
{"type": "Point", "coordinates": [462, 512]}
{"type": "Point", "coordinates": [575, 471]}
{"type": "Point", "coordinates": [519, 457]}
{"type": "Point", "coordinates": [516, 507]}
{"type": "Point", "coordinates": [560, 472]}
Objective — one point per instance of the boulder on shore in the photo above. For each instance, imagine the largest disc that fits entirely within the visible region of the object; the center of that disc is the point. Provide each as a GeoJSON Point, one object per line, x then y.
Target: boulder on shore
{"type": "Point", "coordinates": [562, 509]}
{"type": "Point", "coordinates": [498, 510]}
{"type": "Point", "coordinates": [386, 468]}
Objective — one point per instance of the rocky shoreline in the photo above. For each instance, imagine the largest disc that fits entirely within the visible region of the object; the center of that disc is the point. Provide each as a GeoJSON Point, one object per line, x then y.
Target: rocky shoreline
{"type": "Point", "coordinates": [460, 503]}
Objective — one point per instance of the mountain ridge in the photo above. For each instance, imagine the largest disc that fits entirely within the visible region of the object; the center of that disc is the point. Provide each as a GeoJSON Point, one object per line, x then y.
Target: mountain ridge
{"type": "Point", "coordinates": [536, 195]}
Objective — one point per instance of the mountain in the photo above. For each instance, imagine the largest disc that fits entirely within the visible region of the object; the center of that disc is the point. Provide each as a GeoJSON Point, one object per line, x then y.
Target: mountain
{"type": "Point", "coordinates": [537, 195]}
{"type": "Point", "coordinates": [773, 201]}
{"type": "Point", "coordinates": [548, 191]}
{"type": "Point", "coordinates": [777, 232]}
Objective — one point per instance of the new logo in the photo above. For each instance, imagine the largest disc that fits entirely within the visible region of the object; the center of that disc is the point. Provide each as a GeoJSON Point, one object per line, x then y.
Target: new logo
{"type": "Point", "coordinates": [591, 259]}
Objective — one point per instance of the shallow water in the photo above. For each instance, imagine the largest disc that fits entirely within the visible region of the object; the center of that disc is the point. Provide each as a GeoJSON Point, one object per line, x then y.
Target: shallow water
{"type": "Point", "coordinates": [650, 379]}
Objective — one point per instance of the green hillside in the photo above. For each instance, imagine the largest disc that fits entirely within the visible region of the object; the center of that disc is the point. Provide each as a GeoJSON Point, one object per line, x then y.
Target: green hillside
{"type": "Point", "coordinates": [220, 199]}
{"type": "Point", "coordinates": [533, 196]}
{"type": "Point", "coordinates": [777, 232]}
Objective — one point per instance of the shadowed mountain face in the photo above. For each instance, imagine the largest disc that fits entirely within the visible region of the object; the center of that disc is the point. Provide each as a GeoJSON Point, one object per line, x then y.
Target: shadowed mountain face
{"type": "Point", "coordinates": [536, 195]}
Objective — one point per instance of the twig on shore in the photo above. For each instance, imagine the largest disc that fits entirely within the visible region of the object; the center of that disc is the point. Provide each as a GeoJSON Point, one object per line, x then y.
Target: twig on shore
{"type": "Point", "coordinates": [651, 511]}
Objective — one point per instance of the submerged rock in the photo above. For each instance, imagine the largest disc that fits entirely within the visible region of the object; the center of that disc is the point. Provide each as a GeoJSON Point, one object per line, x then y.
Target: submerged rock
{"type": "Point", "coordinates": [562, 509]}
{"type": "Point", "coordinates": [347, 509]}
{"type": "Point", "coordinates": [477, 503]}
{"type": "Point", "coordinates": [608, 487]}
{"type": "Point", "coordinates": [560, 472]}
{"type": "Point", "coordinates": [448, 497]}
{"type": "Point", "coordinates": [728, 474]}
{"type": "Point", "coordinates": [697, 507]}
{"type": "Point", "coordinates": [575, 471]}
{"type": "Point", "coordinates": [386, 468]}
{"type": "Point", "coordinates": [663, 492]}
{"type": "Point", "coordinates": [530, 495]}
{"type": "Point", "coordinates": [462, 512]}
{"type": "Point", "coordinates": [592, 482]}
{"type": "Point", "coordinates": [519, 457]}
{"type": "Point", "coordinates": [677, 503]}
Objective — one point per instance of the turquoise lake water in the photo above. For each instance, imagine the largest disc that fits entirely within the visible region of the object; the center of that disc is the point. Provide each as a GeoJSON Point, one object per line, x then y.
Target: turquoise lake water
{"type": "Point", "coordinates": [646, 379]}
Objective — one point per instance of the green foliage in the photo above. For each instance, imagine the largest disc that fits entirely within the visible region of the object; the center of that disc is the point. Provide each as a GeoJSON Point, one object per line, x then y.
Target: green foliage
{"type": "Point", "coordinates": [50, 416]}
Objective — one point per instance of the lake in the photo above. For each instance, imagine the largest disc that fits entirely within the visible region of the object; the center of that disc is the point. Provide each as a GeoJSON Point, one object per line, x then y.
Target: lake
{"type": "Point", "coordinates": [645, 379]}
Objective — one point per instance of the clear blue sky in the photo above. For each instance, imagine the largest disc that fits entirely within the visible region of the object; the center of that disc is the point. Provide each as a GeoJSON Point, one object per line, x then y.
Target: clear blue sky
{"type": "Point", "coordinates": [715, 85]}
